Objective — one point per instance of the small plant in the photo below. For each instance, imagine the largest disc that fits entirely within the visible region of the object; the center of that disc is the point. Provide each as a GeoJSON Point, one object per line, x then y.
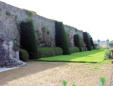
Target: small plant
{"type": "Point", "coordinates": [74, 85]}
{"type": "Point", "coordinates": [65, 83]}
{"type": "Point", "coordinates": [8, 13]}
{"type": "Point", "coordinates": [102, 81]}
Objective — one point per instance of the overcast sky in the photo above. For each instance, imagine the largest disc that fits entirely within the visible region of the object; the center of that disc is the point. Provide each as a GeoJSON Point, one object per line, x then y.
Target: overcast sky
{"type": "Point", "coordinates": [93, 16]}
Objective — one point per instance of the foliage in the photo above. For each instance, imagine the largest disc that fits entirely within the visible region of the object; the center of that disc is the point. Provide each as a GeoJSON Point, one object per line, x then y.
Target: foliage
{"type": "Point", "coordinates": [61, 37]}
{"type": "Point", "coordinates": [70, 38]}
{"type": "Point", "coordinates": [65, 83]}
{"type": "Point", "coordinates": [28, 40]}
{"type": "Point", "coordinates": [48, 51]}
{"type": "Point", "coordinates": [8, 13]}
{"type": "Point", "coordinates": [108, 54]}
{"type": "Point", "coordinates": [92, 43]}
{"type": "Point", "coordinates": [111, 42]}
{"type": "Point", "coordinates": [74, 49]}
{"type": "Point", "coordinates": [0, 9]}
{"type": "Point", "coordinates": [94, 56]}
{"type": "Point", "coordinates": [44, 39]}
{"type": "Point", "coordinates": [102, 81]}
{"type": "Point", "coordinates": [30, 13]}
{"type": "Point", "coordinates": [78, 42]}
{"type": "Point", "coordinates": [87, 40]}
{"type": "Point", "coordinates": [24, 56]}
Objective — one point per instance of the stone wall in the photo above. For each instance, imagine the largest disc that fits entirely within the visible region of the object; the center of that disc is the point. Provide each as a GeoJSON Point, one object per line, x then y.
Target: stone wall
{"type": "Point", "coordinates": [8, 27]}
{"type": "Point", "coordinates": [18, 15]}
{"type": "Point", "coordinates": [71, 31]}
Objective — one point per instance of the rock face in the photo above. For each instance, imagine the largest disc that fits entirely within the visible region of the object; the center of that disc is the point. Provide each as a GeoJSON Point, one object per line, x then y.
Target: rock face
{"type": "Point", "coordinates": [9, 39]}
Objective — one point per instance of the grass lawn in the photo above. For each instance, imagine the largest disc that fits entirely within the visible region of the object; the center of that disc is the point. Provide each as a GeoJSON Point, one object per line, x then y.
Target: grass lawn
{"type": "Point", "coordinates": [95, 56]}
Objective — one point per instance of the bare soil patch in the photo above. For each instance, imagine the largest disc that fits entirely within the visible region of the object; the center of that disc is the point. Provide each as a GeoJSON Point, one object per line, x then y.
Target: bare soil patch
{"type": "Point", "coordinates": [53, 73]}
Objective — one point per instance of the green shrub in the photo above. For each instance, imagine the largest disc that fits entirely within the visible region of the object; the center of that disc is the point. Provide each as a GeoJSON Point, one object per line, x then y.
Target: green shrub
{"type": "Point", "coordinates": [48, 51]}
{"type": "Point", "coordinates": [28, 40]}
{"type": "Point", "coordinates": [108, 54]}
{"type": "Point", "coordinates": [87, 40]}
{"type": "Point", "coordinates": [78, 42]}
{"type": "Point", "coordinates": [61, 37]}
{"type": "Point", "coordinates": [24, 56]}
{"type": "Point", "coordinates": [74, 49]}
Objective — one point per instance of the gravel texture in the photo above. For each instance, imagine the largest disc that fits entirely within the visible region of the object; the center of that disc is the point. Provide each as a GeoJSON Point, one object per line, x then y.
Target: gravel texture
{"type": "Point", "coordinates": [53, 73]}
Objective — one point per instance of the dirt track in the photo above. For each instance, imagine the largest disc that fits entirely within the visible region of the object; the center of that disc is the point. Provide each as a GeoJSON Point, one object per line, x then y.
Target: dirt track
{"type": "Point", "coordinates": [53, 73]}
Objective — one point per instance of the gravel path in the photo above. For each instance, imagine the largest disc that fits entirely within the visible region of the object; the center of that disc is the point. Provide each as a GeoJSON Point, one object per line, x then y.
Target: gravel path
{"type": "Point", "coordinates": [52, 74]}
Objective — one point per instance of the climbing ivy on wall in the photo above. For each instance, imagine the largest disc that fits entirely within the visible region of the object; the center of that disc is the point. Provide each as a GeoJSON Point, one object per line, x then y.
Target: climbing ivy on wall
{"type": "Point", "coordinates": [70, 38]}
{"type": "Point", "coordinates": [61, 37]}
{"type": "Point", "coordinates": [28, 40]}
{"type": "Point", "coordinates": [44, 38]}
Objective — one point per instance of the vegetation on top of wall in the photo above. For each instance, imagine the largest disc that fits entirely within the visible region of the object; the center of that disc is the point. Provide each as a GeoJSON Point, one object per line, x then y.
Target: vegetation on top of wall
{"type": "Point", "coordinates": [28, 40]}
{"type": "Point", "coordinates": [87, 40]}
{"type": "Point", "coordinates": [77, 42]}
{"type": "Point", "coordinates": [30, 13]}
{"type": "Point", "coordinates": [61, 37]}
{"type": "Point", "coordinates": [8, 13]}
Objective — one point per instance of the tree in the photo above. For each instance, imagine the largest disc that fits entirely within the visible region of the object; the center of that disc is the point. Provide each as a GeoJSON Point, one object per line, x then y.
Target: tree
{"type": "Point", "coordinates": [87, 40]}
{"type": "Point", "coordinates": [28, 40]}
{"type": "Point", "coordinates": [61, 37]}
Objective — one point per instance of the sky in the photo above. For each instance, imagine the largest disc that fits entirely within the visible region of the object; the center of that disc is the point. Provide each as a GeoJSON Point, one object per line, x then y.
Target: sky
{"type": "Point", "coordinates": [93, 16]}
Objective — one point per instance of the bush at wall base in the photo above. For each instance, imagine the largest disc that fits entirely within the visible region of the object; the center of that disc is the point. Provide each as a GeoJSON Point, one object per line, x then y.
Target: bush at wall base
{"type": "Point", "coordinates": [74, 49]}
{"type": "Point", "coordinates": [24, 56]}
{"type": "Point", "coordinates": [61, 37]}
{"type": "Point", "coordinates": [49, 51]}
{"type": "Point", "coordinates": [28, 39]}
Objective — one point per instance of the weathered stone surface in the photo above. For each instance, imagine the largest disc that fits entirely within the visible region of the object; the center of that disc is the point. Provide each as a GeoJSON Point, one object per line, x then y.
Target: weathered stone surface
{"type": "Point", "coordinates": [38, 20]}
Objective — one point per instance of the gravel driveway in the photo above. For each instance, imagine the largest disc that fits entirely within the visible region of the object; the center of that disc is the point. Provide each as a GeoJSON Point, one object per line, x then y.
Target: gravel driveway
{"type": "Point", "coordinates": [53, 73]}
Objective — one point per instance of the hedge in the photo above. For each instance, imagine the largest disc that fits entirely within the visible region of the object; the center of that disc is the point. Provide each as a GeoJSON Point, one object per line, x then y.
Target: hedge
{"type": "Point", "coordinates": [48, 51]}
{"type": "Point", "coordinates": [74, 49]}
{"type": "Point", "coordinates": [28, 40]}
{"type": "Point", "coordinates": [92, 43]}
{"type": "Point", "coordinates": [24, 56]}
{"type": "Point", "coordinates": [87, 40]}
{"type": "Point", "coordinates": [61, 37]}
{"type": "Point", "coordinates": [77, 42]}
